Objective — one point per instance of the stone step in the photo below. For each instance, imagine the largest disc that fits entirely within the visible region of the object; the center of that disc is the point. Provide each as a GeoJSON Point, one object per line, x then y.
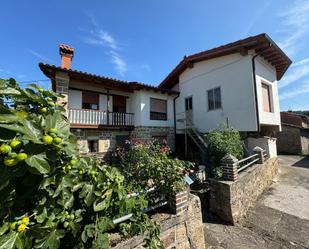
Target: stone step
{"type": "Point", "coordinates": [278, 225]}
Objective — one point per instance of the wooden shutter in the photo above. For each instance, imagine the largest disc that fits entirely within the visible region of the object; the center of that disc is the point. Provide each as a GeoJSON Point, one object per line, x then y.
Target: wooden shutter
{"type": "Point", "coordinates": [266, 98]}
{"type": "Point", "coordinates": [158, 105]}
{"type": "Point", "coordinates": [90, 97]}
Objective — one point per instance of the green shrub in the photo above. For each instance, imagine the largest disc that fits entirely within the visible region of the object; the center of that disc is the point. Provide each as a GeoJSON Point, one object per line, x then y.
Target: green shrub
{"type": "Point", "coordinates": [148, 164]}
{"type": "Point", "coordinates": [223, 141]}
{"type": "Point", "coordinates": [50, 197]}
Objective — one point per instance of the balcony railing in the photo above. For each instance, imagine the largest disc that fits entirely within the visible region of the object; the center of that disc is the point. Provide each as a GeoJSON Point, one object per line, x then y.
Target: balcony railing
{"type": "Point", "coordinates": [93, 117]}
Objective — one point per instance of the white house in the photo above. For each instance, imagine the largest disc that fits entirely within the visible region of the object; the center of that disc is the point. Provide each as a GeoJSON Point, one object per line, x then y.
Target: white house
{"type": "Point", "coordinates": [105, 112]}
{"type": "Point", "coordinates": [234, 84]}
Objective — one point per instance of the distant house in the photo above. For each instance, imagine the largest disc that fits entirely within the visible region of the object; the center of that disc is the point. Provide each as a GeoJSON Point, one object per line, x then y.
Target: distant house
{"type": "Point", "coordinates": [294, 137]}
{"type": "Point", "coordinates": [235, 84]}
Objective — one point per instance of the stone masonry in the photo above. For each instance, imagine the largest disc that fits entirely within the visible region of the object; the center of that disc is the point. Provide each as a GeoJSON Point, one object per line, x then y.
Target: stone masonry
{"type": "Point", "coordinates": [182, 231]}
{"type": "Point", "coordinates": [146, 133]}
{"type": "Point", "coordinates": [230, 200]}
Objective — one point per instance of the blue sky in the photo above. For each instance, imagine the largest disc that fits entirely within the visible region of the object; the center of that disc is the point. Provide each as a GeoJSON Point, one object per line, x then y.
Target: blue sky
{"type": "Point", "coordinates": [140, 40]}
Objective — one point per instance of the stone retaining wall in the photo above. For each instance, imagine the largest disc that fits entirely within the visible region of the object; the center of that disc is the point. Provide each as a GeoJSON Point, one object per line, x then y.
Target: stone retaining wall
{"type": "Point", "coordinates": [183, 231]}
{"type": "Point", "coordinates": [146, 133]}
{"type": "Point", "coordinates": [231, 200]}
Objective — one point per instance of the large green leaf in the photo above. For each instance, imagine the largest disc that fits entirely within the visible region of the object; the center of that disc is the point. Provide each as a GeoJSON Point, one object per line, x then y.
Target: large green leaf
{"type": "Point", "coordinates": [7, 241]}
{"type": "Point", "coordinates": [31, 132]}
{"type": "Point", "coordinates": [9, 91]}
{"type": "Point", "coordinates": [39, 162]}
{"type": "Point", "coordinates": [101, 204]}
{"type": "Point", "coordinates": [51, 241]}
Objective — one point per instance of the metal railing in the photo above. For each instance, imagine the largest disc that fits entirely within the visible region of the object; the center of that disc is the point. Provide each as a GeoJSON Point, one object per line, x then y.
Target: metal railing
{"type": "Point", "coordinates": [160, 203]}
{"type": "Point", "coordinates": [247, 162]}
{"type": "Point", "coordinates": [93, 117]}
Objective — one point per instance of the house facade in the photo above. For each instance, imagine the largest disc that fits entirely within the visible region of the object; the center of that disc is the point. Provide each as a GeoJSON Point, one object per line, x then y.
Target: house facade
{"type": "Point", "coordinates": [294, 138]}
{"type": "Point", "coordinates": [234, 84]}
{"type": "Point", "coordinates": [105, 112]}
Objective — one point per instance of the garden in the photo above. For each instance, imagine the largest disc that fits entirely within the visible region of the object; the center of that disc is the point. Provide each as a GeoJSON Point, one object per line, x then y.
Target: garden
{"type": "Point", "coordinates": [51, 197]}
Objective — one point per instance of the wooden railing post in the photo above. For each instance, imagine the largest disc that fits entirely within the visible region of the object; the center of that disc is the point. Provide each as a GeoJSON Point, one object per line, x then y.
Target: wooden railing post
{"type": "Point", "coordinates": [259, 151]}
{"type": "Point", "coordinates": [229, 167]}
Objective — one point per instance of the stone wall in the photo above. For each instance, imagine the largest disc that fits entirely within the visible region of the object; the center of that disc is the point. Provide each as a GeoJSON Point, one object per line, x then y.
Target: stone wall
{"type": "Point", "coordinates": [288, 140]}
{"type": "Point", "coordinates": [183, 231]}
{"type": "Point", "coordinates": [146, 133]}
{"type": "Point", "coordinates": [230, 200]}
{"type": "Point", "coordinates": [106, 138]}
{"type": "Point", "coordinates": [304, 138]}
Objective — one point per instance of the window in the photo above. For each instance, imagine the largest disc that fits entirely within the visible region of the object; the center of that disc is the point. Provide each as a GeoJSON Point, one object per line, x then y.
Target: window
{"type": "Point", "coordinates": [214, 99]}
{"type": "Point", "coordinates": [158, 109]}
{"type": "Point", "coordinates": [188, 102]}
{"type": "Point", "coordinates": [90, 101]}
{"type": "Point", "coordinates": [93, 145]}
{"type": "Point", "coordinates": [266, 98]}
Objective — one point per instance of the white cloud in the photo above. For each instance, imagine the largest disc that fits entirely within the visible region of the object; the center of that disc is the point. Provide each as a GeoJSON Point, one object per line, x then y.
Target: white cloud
{"type": "Point", "coordinates": [304, 88]}
{"type": "Point", "coordinates": [295, 24]}
{"type": "Point", "coordinates": [38, 55]}
{"type": "Point", "coordinates": [298, 71]}
{"type": "Point", "coordinates": [120, 64]}
{"type": "Point", "coordinates": [101, 37]}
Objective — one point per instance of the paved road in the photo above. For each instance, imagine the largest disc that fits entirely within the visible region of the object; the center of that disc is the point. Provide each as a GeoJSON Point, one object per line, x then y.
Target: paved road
{"type": "Point", "coordinates": [280, 218]}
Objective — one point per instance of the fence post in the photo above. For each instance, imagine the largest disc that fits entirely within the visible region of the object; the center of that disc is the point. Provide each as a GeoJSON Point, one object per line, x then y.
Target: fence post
{"type": "Point", "coordinates": [259, 151]}
{"type": "Point", "coordinates": [178, 202]}
{"type": "Point", "coordinates": [229, 167]}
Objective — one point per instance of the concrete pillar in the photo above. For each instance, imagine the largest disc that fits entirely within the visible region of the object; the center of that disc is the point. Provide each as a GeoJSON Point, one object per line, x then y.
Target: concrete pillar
{"type": "Point", "coordinates": [259, 151]}
{"type": "Point", "coordinates": [229, 167]}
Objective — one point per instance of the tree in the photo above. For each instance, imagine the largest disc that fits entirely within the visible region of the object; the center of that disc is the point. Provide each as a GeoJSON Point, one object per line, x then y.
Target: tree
{"type": "Point", "coordinates": [50, 196]}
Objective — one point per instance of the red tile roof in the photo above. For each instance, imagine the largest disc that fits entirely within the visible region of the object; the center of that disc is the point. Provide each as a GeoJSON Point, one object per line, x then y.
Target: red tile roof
{"type": "Point", "coordinates": [295, 120]}
{"type": "Point", "coordinates": [50, 71]}
{"type": "Point", "coordinates": [261, 43]}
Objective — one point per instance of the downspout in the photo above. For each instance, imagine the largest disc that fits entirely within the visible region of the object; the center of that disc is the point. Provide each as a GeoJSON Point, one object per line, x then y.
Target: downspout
{"type": "Point", "coordinates": [174, 107]}
{"type": "Point", "coordinates": [255, 88]}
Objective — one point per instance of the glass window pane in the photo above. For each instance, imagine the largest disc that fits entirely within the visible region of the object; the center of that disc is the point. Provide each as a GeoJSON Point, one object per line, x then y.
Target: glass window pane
{"type": "Point", "coordinates": [217, 93]}
{"type": "Point", "coordinates": [210, 100]}
{"type": "Point", "coordinates": [187, 104]}
{"type": "Point", "coordinates": [190, 103]}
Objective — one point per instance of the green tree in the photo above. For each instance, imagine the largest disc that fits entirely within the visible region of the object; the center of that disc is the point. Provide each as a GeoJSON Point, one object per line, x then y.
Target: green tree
{"type": "Point", "coordinates": [50, 196]}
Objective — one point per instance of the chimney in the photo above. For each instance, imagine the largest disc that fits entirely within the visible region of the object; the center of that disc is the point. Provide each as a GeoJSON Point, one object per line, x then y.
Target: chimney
{"type": "Point", "coordinates": [67, 54]}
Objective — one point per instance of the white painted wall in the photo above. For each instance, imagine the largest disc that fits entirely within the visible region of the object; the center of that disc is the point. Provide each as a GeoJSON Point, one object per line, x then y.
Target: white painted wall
{"type": "Point", "coordinates": [267, 143]}
{"type": "Point", "coordinates": [137, 103]}
{"type": "Point", "coordinates": [266, 73]}
{"type": "Point", "coordinates": [75, 99]}
{"type": "Point", "coordinates": [233, 73]}
{"type": "Point", "coordinates": [144, 103]}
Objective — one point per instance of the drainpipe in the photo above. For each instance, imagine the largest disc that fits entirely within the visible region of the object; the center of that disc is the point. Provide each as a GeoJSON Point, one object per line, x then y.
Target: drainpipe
{"type": "Point", "coordinates": [174, 107]}
{"type": "Point", "coordinates": [255, 87]}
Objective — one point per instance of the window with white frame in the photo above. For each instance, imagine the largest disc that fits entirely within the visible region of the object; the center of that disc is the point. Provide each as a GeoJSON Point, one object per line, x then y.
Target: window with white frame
{"type": "Point", "coordinates": [214, 99]}
{"type": "Point", "coordinates": [266, 92]}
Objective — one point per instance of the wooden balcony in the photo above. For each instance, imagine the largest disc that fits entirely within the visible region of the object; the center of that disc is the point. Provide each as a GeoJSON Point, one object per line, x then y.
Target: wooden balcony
{"type": "Point", "coordinates": [83, 118]}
